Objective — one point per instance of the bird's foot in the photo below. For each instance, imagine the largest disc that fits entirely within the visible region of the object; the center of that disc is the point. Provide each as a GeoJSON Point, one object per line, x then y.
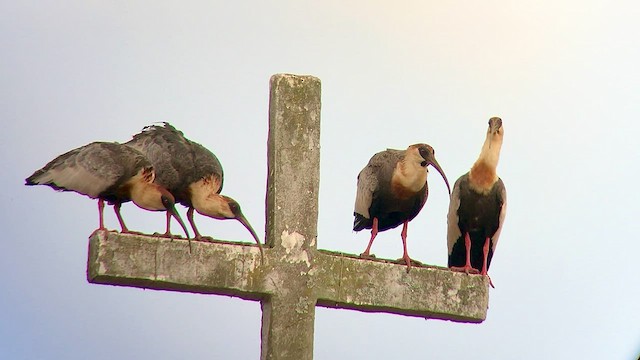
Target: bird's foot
{"type": "Point", "coordinates": [96, 231]}
{"type": "Point", "coordinates": [203, 238]}
{"type": "Point", "coordinates": [409, 262]}
{"type": "Point", "coordinates": [366, 255]}
{"type": "Point", "coordinates": [167, 235]}
{"type": "Point", "coordinates": [488, 277]}
{"type": "Point", "coordinates": [414, 262]}
{"type": "Point", "coordinates": [164, 235]}
{"type": "Point", "coordinates": [465, 269]}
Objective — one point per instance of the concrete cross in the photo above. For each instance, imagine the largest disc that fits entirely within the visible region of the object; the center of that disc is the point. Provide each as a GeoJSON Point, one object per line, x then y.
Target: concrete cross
{"type": "Point", "coordinates": [295, 276]}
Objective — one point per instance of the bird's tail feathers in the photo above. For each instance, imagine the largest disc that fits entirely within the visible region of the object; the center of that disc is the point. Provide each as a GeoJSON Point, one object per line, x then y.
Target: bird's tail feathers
{"type": "Point", "coordinates": [360, 222]}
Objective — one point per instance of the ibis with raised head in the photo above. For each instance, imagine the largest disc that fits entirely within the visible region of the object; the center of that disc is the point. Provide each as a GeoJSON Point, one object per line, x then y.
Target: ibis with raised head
{"type": "Point", "coordinates": [392, 189]}
{"type": "Point", "coordinates": [477, 209]}
{"type": "Point", "coordinates": [191, 173]}
{"type": "Point", "coordinates": [109, 172]}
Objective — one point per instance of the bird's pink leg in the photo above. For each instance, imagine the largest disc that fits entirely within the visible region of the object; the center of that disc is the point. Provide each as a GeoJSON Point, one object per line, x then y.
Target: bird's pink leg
{"type": "Point", "coordinates": [101, 213]}
{"type": "Point", "coordinates": [168, 232]}
{"type": "Point", "coordinates": [485, 250]}
{"type": "Point", "coordinates": [374, 233]}
{"type": "Point", "coordinates": [405, 254]}
{"type": "Point", "coordinates": [101, 218]}
{"type": "Point", "coordinates": [467, 266]}
{"type": "Point", "coordinates": [193, 224]}
{"type": "Point", "coordinates": [116, 209]}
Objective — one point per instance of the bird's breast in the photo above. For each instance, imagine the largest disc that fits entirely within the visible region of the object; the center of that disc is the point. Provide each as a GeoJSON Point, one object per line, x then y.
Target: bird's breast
{"type": "Point", "coordinates": [401, 192]}
{"type": "Point", "coordinates": [406, 181]}
{"type": "Point", "coordinates": [482, 177]}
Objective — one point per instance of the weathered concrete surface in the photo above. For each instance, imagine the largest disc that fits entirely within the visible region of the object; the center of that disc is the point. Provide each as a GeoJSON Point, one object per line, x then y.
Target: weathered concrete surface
{"type": "Point", "coordinates": [162, 264]}
{"type": "Point", "coordinates": [293, 154]}
{"type": "Point", "coordinates": [293, 181]}
{"type": "Point", "coordinates": [381, 286]}
{"type": "Point", "coordinates": [295, 277]}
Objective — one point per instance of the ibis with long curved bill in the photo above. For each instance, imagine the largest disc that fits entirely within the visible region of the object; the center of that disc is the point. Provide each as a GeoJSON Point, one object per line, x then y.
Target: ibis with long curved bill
{"type": "Point", "coordinates": [191, 172]}
{"type": "Point", "coordinates": [392, 189]}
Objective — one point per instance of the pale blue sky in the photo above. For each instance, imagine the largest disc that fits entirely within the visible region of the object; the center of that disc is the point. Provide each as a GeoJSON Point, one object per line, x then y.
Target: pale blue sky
{"type": "Point", "coordinates": [562, 75]}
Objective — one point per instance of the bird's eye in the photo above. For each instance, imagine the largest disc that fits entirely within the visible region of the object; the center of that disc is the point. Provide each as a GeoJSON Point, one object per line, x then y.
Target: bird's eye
{"type": "Point", "coordinates": [166, 201]}
{"type": "Point", "coordinates": [424, 152]}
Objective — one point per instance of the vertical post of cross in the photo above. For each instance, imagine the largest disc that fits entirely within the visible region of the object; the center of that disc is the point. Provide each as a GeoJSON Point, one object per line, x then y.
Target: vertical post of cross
{"type": "Point", "coordinates": [292, 213]}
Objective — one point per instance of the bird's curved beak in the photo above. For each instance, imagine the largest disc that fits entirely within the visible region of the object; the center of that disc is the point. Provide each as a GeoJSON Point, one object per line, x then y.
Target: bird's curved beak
{"type": "Point", "coordinates": [240, 217]}
{"type": "Point", "coordinates": [172, 210]}
{"type": "Point", "coordinates": [432, 160]}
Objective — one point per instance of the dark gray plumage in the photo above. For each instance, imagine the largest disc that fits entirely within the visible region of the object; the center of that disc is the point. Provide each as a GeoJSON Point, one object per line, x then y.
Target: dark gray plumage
{"type": "Point", "coordinates": [109, 172]}
{"type": "Point", "coordinates": [191, 172]}
{"type": "Point", "coordinates": [392, 189]}
{"type": "Point", "coordinates": [477, 209]}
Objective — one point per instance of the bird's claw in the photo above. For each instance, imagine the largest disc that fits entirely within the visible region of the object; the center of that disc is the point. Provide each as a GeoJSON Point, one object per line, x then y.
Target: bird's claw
{"type": "Point", "coordinates": [488, 277]}
{"type": "Point", "coordinates": [465, 269]}
{"type": "Point", "coordinates": [96, 231]}
{"type": "Point", "coordinates": [367, 256]}
{"type": "Point", "coordinates": [409, 263]}
{"type": "Point", "coordinates": [203, 238]}
{"type": "Point", "coordinates": [413, 262]}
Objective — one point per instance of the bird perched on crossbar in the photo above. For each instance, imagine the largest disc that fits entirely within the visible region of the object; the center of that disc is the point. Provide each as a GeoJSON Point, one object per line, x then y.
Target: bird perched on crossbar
{"type": "Point", "coordinates": [191, 173]}
{"type": "Point", "coordinates": [392, 189]}
{"type": "Point", "coordinates": [477, 209]}
{"type": "Point", "coordinates": [109, 172]}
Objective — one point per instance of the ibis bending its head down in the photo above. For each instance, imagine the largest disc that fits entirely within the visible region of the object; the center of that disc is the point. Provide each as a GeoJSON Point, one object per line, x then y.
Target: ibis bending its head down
{"type": "Point", "coordinates": [392, 189]}
{"type": "Point", "coordinates": [190, 172]}
{"type": "Point", "coordinates": [477, 209]}
{"type": "Point", "coordinates": [109, 172]}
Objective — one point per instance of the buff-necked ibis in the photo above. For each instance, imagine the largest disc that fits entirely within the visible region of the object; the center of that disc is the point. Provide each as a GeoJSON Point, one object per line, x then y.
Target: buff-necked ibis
{"type": "Point", "coordinates": [191, 173]}
{"type": "Point", "coordinates": [477, 209]}
{"type": "Point", "coordinates": [392, 189]}
{"type": "Point", "coordinates": [109, 172]}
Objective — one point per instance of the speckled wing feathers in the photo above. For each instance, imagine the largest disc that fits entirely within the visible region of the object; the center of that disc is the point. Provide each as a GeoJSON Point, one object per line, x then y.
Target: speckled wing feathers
{"type": "Point", "coordinates": [502, 197]}
{"type": "Point", "coordinates": [92, 169]}
{"type": "Point", "coordinates": [453, 231]}
{"type": "Point", "coordinates": [179, 161]}
{"type": "Point", "coordinates": [378, 171]}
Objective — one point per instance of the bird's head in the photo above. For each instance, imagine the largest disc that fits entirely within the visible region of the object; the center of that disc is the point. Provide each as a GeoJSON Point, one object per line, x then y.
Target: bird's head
{"type": "Point", "coordinates": [223, 207]}
{"type": "Point", "coordinates": [427, 156]}
{"type": "Point", "coordinates": [154, 197]}
{"type": "Point", "coordinates": [495, 132]}
{"type": "Point", "coordinates": [234, 208]}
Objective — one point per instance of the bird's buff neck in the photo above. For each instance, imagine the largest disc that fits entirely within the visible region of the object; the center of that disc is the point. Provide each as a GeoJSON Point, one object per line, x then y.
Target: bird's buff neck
{"type": "Point", "coordinates": [147, 196]}
{"type": "Point", "coordinates": [483, 172]}
{"type": "Point", "coordinates": [409, 174]}
{"type": "Point", "coordinates": [207, 201]}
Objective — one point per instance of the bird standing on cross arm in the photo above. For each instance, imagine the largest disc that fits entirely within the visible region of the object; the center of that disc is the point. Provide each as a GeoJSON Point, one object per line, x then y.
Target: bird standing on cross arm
{"type": "Point", "coordinates": [191, 172]}
{"type": "Point", "coordinates": [477, 209]}
{"type": "Point", "coordinates": [110, 172]}
{"type": "Point", "coordinates": [392, 189]}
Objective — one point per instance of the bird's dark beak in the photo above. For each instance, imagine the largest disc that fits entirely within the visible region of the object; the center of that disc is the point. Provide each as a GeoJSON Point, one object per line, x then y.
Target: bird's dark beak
{"type": "Point", "coordinates": [172, 210]}
{"type": "Point", "coordinates": [240, 217]}
{"type": "Point", "coordinates": [432, 160]}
